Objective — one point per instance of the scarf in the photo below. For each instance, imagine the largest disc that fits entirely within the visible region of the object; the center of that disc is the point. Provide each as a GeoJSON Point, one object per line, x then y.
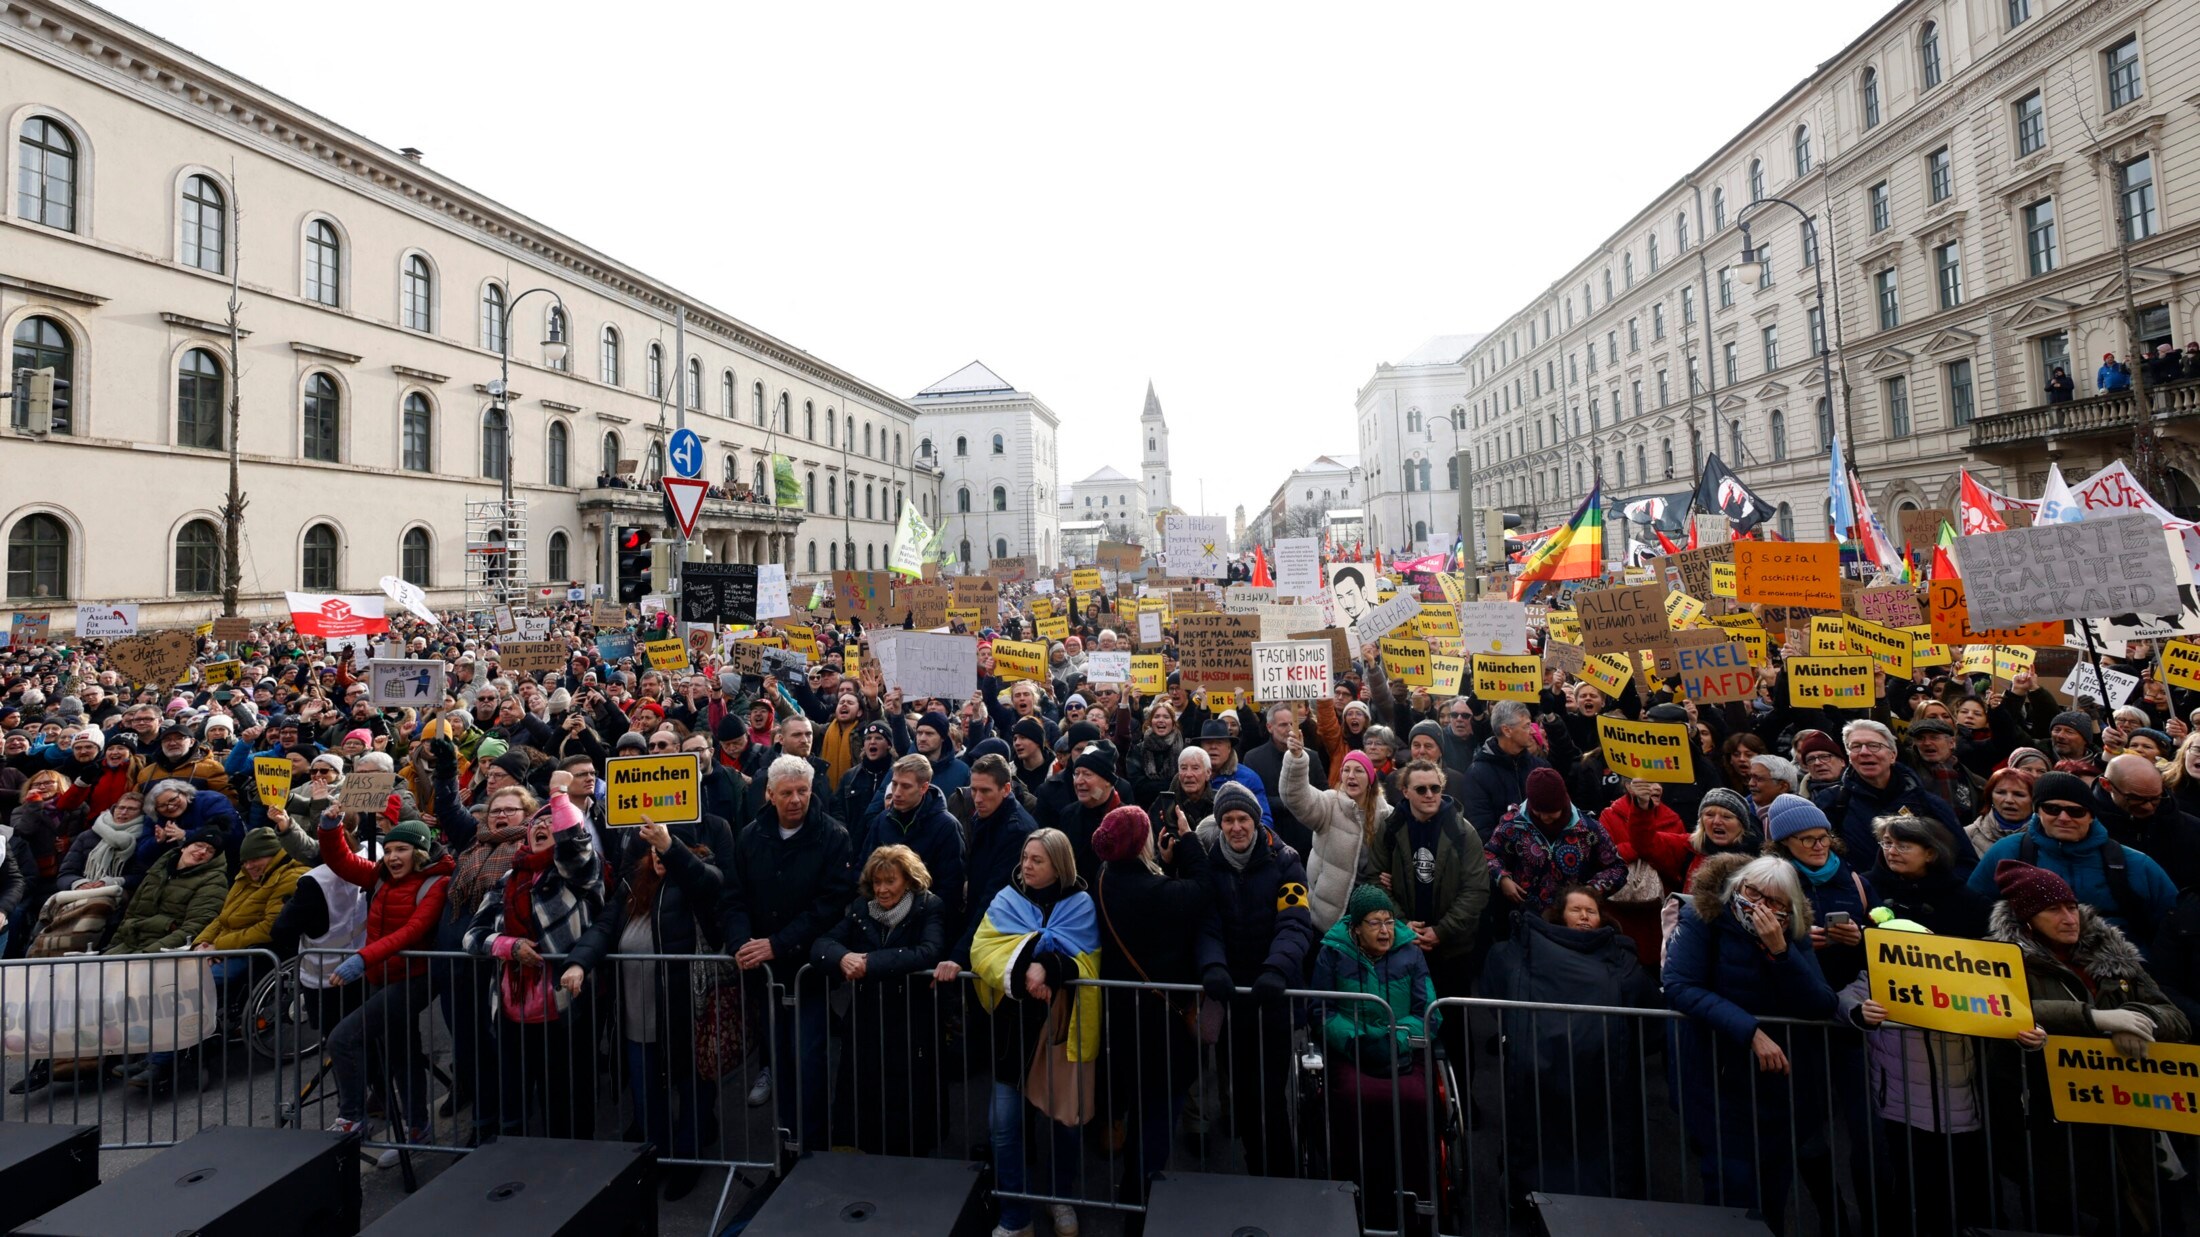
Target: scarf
{"type": "Point", "coordinates": [1820, 875]}
{"type": "Point", "coordinates": [839, 750]}
{"type": "Point", "coordinates": [519, 890]}
{"type": "Point", "coordinates": [117, 843]}
{"type": "Point", "coordinates": [890, 919]}
{"type": "Point", "coordinates": [484, 864]}
{"type": "Point", "coordinates": [1162, 750]}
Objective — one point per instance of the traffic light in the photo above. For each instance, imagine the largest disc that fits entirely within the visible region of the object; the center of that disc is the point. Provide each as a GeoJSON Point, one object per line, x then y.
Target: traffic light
{"type": "Point", "coordinates": [37, 393]}
{"type": "Point", "coordinates": [634, 564]}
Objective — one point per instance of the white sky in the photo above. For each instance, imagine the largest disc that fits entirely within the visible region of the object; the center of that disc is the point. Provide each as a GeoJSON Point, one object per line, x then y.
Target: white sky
{"type": "Point", "coordinates": [1250, 205]}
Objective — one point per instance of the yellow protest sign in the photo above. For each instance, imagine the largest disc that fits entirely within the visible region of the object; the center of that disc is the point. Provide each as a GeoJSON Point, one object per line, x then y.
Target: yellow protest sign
{"type": "Point", "coordinates": [1015, 660]}
{"type": "Point", "coordinates": [1407, 660]}
{"type": "Point", "coordinates": [971, 617]}
{"type": "Point", "coordinates": [1829, 635]}
{"type": "Point", "coordinates": [1447, 671]}
{"type": "Point", "coordinates": [802, 640]}
{"type": "Point", "coordinates": [666, 788]}
{"type": "Point", "coordinates": [1890, 648]}
{"type": "Point", "coordinates": [1042, 607]}
{"type": "Point", "coordinates": [1722, 580]}
{"type": "Point", "coordinates": [1085, 580]}
{"type": "Point", "coordinates": [1505, 676]}
{"type": "Point", "coordinates": [1606, 673]}
{"type": "Point", "coordinates": [1054, 628]}
{"type": "Point", "coordinates": [1925, 651]}
{"type": "Point", "coordinates": [667, 654]}
{"type": "Point", "coordinates": [1454, 585]}
{"type": "Point", "coordinates": [1449, 646]}
{"type": "Point", "coordinates": [1653, 751]}
{"type": "Point", "coordinates": [1219, 702]}
{"type": "Point", "coordinates": [1438, 620]}
{"type": "Point", "coordinates": [1564, 626]}
{"type": "Point", "coordinates": [1149, 672]}
{"type": "Point", "coordinates": [221, 672]}
{"type": "Point", "coordinates": [272, 775]}
{"type": "Point", "coordinates": [2093, 1084]}
{"type": "Point", "coordinates": [1682, 610]}
{"type": "Point", "coordinates": [2181, 664]}
{"type": "Point", "coordinates": [1948, 983]}
{"type": "Point", "coordinates": [2010, 658]}
{"type": "Point", "coordinates": [1839, 682]}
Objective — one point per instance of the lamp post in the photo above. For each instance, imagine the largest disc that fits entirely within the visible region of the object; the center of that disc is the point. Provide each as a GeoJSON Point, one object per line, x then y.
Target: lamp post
{"type": "Point", "coordinates": [1752, 264]}
{"type": "Point", "coordinates": [553, 350]}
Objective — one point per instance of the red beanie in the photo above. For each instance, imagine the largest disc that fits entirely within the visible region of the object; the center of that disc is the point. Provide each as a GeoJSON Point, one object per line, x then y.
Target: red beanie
{"type": "Point", "coordinates": [2029, 890]}
{"type": "Point", "coordinates": [1122, 834]}
{"type": "Point", "coordinates": [1547, 792]}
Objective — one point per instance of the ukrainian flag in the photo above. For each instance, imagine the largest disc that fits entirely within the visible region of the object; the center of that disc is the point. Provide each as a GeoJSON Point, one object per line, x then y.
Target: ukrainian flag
{"type": "Point", "coordinates": [1014, 922]}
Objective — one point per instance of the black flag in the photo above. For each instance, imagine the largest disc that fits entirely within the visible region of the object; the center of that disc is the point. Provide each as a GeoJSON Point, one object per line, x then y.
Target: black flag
{"type": "Point", "coordinates": [1720, 492]}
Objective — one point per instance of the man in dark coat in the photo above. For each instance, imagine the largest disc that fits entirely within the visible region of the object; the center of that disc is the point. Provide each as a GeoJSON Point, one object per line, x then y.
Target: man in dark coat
{"type": "Point", "coordinates": [1875, 785]}
{"type": "Point", "coordinates": [1092, 780]}
{"type": "Point", "coordinates": [1498, 778]}
{"type": "Point", "coordinates": [2129, 802]}
{"type": "Point", "coordinates": [1266, 760]}
{"type": "Point", "coordinates": [998, 827]}
{"type": "Point", "coordinates": [913, 813]}
{"type": "Point", "coordinates": [861, 785]}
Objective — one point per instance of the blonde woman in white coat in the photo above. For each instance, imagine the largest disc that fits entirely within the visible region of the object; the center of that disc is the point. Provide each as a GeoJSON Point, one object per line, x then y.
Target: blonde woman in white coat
{"type": "Point", "coordinates": [1343, 820]}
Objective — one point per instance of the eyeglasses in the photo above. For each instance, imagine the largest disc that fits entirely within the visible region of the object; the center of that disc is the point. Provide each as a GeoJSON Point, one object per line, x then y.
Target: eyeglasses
{"type": "Point", "coordinates": [2067, 811]}
{"type": "Point", "coordinates": [660, 747]}
{"type": "Point", "coordinates": [1868, 747]}
{"type": "Point", "coordinates": [1378, 921]}
{"type": "Point", "coordinates": [2128, 797]}
{"type": "Point", "coordinates": [507, 811]}
{"type": "Point", "coordinates": [1813, 841]}
{"type": "Point", "coordinates": [321, 773]}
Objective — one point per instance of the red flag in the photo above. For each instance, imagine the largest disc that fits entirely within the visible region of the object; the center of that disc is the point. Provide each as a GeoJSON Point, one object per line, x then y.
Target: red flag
{"type": "Point", "coordinates": [1261, 578]}
{"type": "Point", "coordinates": [1665, 543]}
{"type": "Point", "coordinates": [1691, 534]}
{"type": "Point", "coordinates": [1978, 514]}
{"type": "Point", "coordinates": [1378, 560]}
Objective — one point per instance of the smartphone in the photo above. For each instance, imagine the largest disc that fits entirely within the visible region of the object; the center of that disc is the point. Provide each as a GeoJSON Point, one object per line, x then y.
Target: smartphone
{"type": "Point", "coordinates": [1837, 919]}
{"type": "Point", "coordinates": [1164, 811]}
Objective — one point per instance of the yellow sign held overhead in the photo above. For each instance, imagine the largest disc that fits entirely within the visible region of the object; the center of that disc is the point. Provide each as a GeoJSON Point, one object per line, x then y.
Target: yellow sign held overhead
{"type": "Point", "coordinates": [666, 788]}
{"type": "Point", "coordinates": [2181, 664]}
{"type": "Point", "coordinates": [2094, 1084]}
{"type": "Point", "coordinates": [1607, 673]}
{"type": "Point", "coordinates": [1653, 751]}
{"type": "Point", "coordinates": [271, 774]}
{"type": "Point", "coordinates": [667, 654]}
{"type": "Point", "coordinates": [1054, 628]}
{"type": "Point", "coordinates": [1502, 676]}
{"type": "Point", "coordinates": [1149, 673]}
{"type": "Point", "coordinates": [1838, 682]}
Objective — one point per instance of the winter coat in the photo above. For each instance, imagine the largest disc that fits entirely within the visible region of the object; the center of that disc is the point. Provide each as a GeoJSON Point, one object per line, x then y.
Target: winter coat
{"type": "Point", "coordinates": [71, 873]}
{"type": "Point", "coordinates": [860, 787]}
{"type": "Point", "coordinates": [914, 945]}
{"type": "Point", "coordinates": [210, 810]}
{"type": "Point", "coordinates": [171, 907]}
{"type": "Point", "coordinates": [1551, 964]}
{"type": "Point", "coordinates": [1541, 864]}
{"type": "Point", "coordinates": [789, 891]}
{"type": "Point", "coordinates": [934, 834]}
{"type": "Point", "coordinates": [679, 923]}
{"type": "Point", "coordinates": [1990, 828]}
{"type": "Point", "coordinates": [996, 847]}
{"type": "Point", "coordinates": [401, 914]}
{"type": "Point", "coordinates": [14, 885]}
{"type": "Point", "coordinates": [1853, 804]}
{"type": "Point", "coordinates": [2081, 864]}
{"type": "Point", "coordinates": [1462, 876]}
{"type": "Point", "coordinates": [2175, 956]}
{"type": "Point", "coordinates": [196, 766]}
{"type": "Point", "coordinates": [1150, 765]}
{"type": "Point", "coordinates": [248, 914]}
{"type": "Point", "coordinates": [40, 825]}
{"type": "Point", "coordinates": [1496, 781]}
{"type": "Point", "coordinates": [1363, 1032]}
{"type": "Point", "coordinates": [2063, 1003]}
{"type": "Point", "coordinates": [1266, 762]}
{"type": "Point", "coordinates": [1845, 891]}
{"type": "Point", "coordinates": [1336, 837]}
{"type": "Point", "coordinates": [2170, 837]}
{"type": "Point", "coordinates": [1657, 837]}
{"type": "Point", "coordinates": [563, 899]}
{"type": "Point", "coordinates": [2112, 376]}
{"type": "Point", "coordinates": [1257, 919]}
{"type": "Point", "coordinates": [1927, 1080]}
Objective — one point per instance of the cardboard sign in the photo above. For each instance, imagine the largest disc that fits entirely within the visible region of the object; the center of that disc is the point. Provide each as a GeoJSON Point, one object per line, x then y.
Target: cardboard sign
{"type": "Point", "coordinates": [1948, 983]}
{"type": "Point", "coordinates": [1011, 570]}
{"type": "Point", "coordinates": [976, 591]}
{"type": "Point", "coordinates": [1196, 545]}
{"type": "Point", "coordinates": [106, 622]}
{"type": "Point", "coordinates": [537, 656]}
{"type": "Point", "coordinates": [2103, 566]}
{"type": "Point", "coordinates": [158, 659]}
{"type": "Point", "coordinates": [1016, 660]}
{"type": "Point", "coordinates": [1653, 751]}
{"type": "Point", "coordinates": [670, 653]}
{"type": "Point", "coordinates": [30, 628]}
{"type": "Point", "coordinates": [667, 788]}
{"type": "Point", "coordinates": [231, 628]}
{"type": "Point", "coordinates": [1830, 682]}
{"type": "Point", "coordinates": [1216, 648]}
{"type": "Point", "coordinates": [1951, 621]}
{"type": "Point", "coordinates": [745, 657]}
{"type": "Point", "coordinates": [1788, 573]}
{"type": "Point", "coordinates": [402, 684]}
{"type": "Point", "coordinates": [1621, 620]}
{"type": "Point", "coordinates": [1290, 670]}
{"type": "Point", "coordinates": [1494, 627]}
{"type": "Point", "coordinates": [1247, 598]}
{"type": "Point", "coordinates": [366, 792]}
{"type": "Point", "coordinates": [923, 603]}
{"type": "Point", "coordinates": [1278, 622]}
{"type": "Point", "coordinates": [1893, 605]}
{"type": "Point", "coordinates": [1694, 571]}
{"type": "Point", "coordinates": [1119, 556]}
{"type": "Point", "coordinates": [1606, 673]}
{"type": "Point", "coordinates": [606, 614]}
{"type": "Point", "coordinates": [1149, 674]}
{"type": "Point", "coordinates": [1920, 529]}
{"type": "Point", "coordinates": [506, 623]}
{"type": "Point", "coordinates": [1890, 648]}
{"type": "Point", "coordinates": [2181, 664]}
{"type": "Point", "coordinates": [1405, 659]}
{"type": "Point", "coordinates": [924, 664]}
{"type": "Point", "coordinates": [1566, 657]}
{"type": "Point", "coordinates": [1504, 676]}
{"type": "Point", "coordinates": [271, 777]}
{"type": "Point", "coordinates": [1112, 667]}
{"type": "Point", "coordinates": [2094, 1084]}
{"type": "Point", "coordinates": [1298, 567]}
{"type": "Point", "coordinates": [1387, 617]}
{"type": "Point", "coordinates": [2080, 682]}
{"type": "Point", "coordinates": [1340, 646]}
{"type": "Point", "coordinates": [1713, 669]}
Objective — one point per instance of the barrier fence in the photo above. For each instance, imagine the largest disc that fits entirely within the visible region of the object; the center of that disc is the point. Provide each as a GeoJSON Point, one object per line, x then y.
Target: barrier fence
{"type": "Point", "coordinates": [1446, 1122]}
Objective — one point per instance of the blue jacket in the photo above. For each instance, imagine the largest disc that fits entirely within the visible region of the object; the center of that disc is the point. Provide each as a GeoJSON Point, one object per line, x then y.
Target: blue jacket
{"type": "Point", "coordinates": [2080, 864]}
{"type": "Point", "coordinates": [2112, 377]}
{"type": "Point", "coordinates": [930, 831]}
{"type": "Point", "coordinates": [1852, 804]}
{"type": "Point", "coordinates": [950, 774]}
{"type": "Point", "coordinates": [1846, 891]}
{"type": "Point", "coordinates": [1249, 780]}
{"type": "Point", "coordinates": [209, 808]}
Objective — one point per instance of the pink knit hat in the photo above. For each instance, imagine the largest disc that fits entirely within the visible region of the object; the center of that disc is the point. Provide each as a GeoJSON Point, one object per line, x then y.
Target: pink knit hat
{"type": "Point", "coordinates": [1364, 762]}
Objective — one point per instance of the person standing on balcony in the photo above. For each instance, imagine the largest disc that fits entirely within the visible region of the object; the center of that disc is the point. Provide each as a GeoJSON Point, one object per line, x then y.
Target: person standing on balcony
{"type": "Point", "coordinates": [2059, 386]}
{"type": "Point", "coordinates": [2114, 375]}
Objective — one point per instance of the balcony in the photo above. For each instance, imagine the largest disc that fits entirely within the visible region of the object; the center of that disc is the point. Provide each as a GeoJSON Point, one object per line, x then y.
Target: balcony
{"type": "Point", "coordinates": [2100, 416]}
{"type": "Point", "coordinates": [647, 506]}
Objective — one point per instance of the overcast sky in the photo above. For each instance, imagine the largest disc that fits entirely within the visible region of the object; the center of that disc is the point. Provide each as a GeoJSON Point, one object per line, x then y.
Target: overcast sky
{"type": "Point", "coordinates": [1249, 205]}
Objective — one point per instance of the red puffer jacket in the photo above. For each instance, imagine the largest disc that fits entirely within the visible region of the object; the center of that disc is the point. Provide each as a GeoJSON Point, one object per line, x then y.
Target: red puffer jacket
{"type": "Point", "coordinates": [1658, 837]}
{"type": "Point", "coordinates": [401, 914]}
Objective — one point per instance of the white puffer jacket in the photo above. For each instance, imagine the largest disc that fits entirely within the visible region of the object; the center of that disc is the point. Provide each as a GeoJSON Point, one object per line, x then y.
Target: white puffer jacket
{"type": "Point", "coordinates": [1335, 821]}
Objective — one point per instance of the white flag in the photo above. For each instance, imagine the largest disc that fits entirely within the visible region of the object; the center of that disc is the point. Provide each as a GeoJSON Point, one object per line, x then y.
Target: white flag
{"type": "Point", "coordinates": [2056, 504]}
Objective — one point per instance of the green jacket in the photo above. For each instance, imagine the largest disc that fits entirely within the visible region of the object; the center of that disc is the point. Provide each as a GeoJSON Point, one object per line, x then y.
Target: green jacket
{"type": "Point", "coordinates": [1462, 876]}
{"type": "Point", "coordinates": [1399, 979]}
{"type": "Point", "coordinates": [170, 908]}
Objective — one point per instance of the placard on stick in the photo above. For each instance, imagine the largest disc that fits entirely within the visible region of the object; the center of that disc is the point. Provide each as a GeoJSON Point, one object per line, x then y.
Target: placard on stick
{"type": "Point", "coordinates": [2101, 566]}
{"type": "Point", "coordinates": [1653, 751]}
{"type": "Point", "coordinates": [1215, 649]}
{"type": "Point", "coordinates": [667, 788]}
{"type": "Point", "coordinates": [1291, 670]}
{"type": "Point", "coordinates": [1788, 573]}
{"type": "Point", "coordinates": [1621, 620]}
{"type": "Point", "coordinates": [1713, 669]}
{"type": "Point", "coordinates": [366, 792]}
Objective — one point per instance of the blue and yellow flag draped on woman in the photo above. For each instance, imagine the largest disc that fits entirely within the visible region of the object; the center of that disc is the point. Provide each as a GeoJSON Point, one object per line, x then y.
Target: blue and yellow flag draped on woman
{"type": "Point", "coordinates": [1014, 922]}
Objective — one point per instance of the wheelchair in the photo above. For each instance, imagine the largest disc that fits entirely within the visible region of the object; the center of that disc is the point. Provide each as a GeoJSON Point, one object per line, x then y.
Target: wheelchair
{"type": "Point", "coordinates": [1311, 1124]}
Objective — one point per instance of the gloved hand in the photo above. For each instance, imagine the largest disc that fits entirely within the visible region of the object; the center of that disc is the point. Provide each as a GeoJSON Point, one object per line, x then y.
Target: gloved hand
{"type": "Point", "coordinates": [1216, 983]}
{"type": "Point", "coordinates": [1378, 1053]}
{"type": "Point", "coordinates": [445, 756]}
{"type": "Point", "coordinates": [2130, 1030]}
{"type": "Point", "coordinates": [351, 970]}
{"type": "Point", "coordinates": [1269, 988]}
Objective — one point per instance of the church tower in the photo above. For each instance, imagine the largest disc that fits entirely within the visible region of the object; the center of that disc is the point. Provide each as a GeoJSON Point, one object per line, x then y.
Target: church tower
{"type": "Point", "coordinates": [1156, 466]}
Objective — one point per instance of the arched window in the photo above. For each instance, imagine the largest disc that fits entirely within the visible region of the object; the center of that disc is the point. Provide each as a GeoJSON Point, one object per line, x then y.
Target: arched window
{"type": "Point", "coordinates": [199, 558]}
{"type": "Point", "coordinates": [1783, 519]}
{"type": "Point", "coordinates": [205, 225]}
{"type": "Point", "coordinates": [1413, 424]}
{"type": "Point", "coordinates": [324, 263]}
{"type": "Point", "coordinates": [869, 564]}
{"type": "Point", "coordinates": [1869, 90]}
{"type": "Point", "coordinates": [1734, 440]}
{"type": "Point", "coordinates": [554, 457]}
{"type": "Point", "coordinates": [848, 429]}
{"type": "Point", "coordinates": [1000, 547]}
{"type": "Point", "coordinates": [419, 294]}
{"type": "Point", "coordinates": [317, 555]}
{"type": "Point", "coordinates": [1411, 473]}
{"type": "Point", "coordinates": [832, 427]}
{"type": "Point", "coordinates": [962, 499]}
{"type": "Point", "coordinates": [832, 496]}
{"type": "Point", "coordinates": [1718, 208]}
{"type": "Point", "coordinates": [809, 500]}
{"type": "Point", "coordinates": [786, 414]}
{"type": "Point", "coordinates": [321, 415]}
{"type": "Point", "coordinates": [732, 467]}
{"type": "Point", "coordinates": [611, 455]}
{"type": "Point", "coordinates": [695, 383]}
{"type": "Point", "coordinates": [1802, 150]}
{"type": "Point", "coordinates": [1000, 445]}
{"type": "Point", "coordinates": [832, 556]}
{"type": "Point", "coordinates": [607, 366]}
{"type": "Point", "coordinates": [760, 488]}
{"type": "Point", "coordinates": [414, 560]}
{"type": "Point", "coordinates": [897, 448]}
{"type": "Point", "coordinates": [1420, 531]}
{"type": "Point", "coordinates": [495, 446]}
{"type": "Point", "coordinates": [38, 558]}
{"type": "Point", "coordinates": [554, 330]}
{"type": "Point", "coordinates": [418, 433]}
{"type": "Point", "coordinates": [1825, 425]}
{"type": "Point", "coordinates": [199, 401]}
{"type": "Point", "coordinates": [1779, 429]}
{"type": "Point", "coordinates": [653, 467]}
{"type": "Point", "coordinates": [1451, 473]}
{"type": "Point", "coordinates": [653, 373]}
{"type": "Point", "coordinates": [924, 446]}
{"type": "Point", "coordinates": [962, 446]}
{"type": "Point", "coordinates": [561, 557]}
{"type": "Point", "coordinates": [809, 420]}
{"type": "Point", "coordinates": [1666, 451]}
{"type": "Point", "coordinates": [1928, 56]}
{"type": "Point", "coordinates": [756, 399]}
{"type": "Point", "coordinates": [870, 512]}
{"type": "Point", "coordinates": [965, 549]}
{"type": "Point", "coordinates": [810, 556]}
{"type": "Point", "coordinates": [46, 174]}
{"type": "Point", "coordinates": [725, 395]}
{"type": "Point", "coordinates": [1680, 232]}
{"type": "Point", "coordinates": [40, 343]}
{"type": "Point", "coordinates": [494, 333]}
{"type": "Point", "coordinates": [1756, 179]}
{"type": "Point", "coordinates": [1000, 498]}
{"type": "Point", "coordinates": [866, 440]}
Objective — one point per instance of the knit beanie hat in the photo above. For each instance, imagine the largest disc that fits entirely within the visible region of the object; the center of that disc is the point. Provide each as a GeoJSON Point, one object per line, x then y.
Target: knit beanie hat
{"type": "Point", "coordinates": [990, 747]}
{"type": "Point", "coordinates": [729, 728]}
{"type": "Point", "coordinates": [936, 722]}
{"type": "Point", "coordinates": [1365, 901]}
{"type": "Point", "coordinates": [1720, 796]}
{"type": "Point", "coordinates": [1098, 760]}
{"type": "Point", "coordinates": [362, 735]}
{"type": "Point", "coordinates": [1810, 741]}
{"type": "Point", "coordinates": [260, 843]}
{"type": "Point", "coordinates": [1030, 729]}
{"type": "Point", "coordinates": [98, 738]}
{"type": "Point", "coordinates": [208, 834]}
{"type": "Point", "coordinates": [1122, 834]}
{"type": "Point", "coordinates": [1234, 797]}
{"type": "Point", "coordinates": [2061, 787]}
{"type": "Point", "coordinates": [1547, 792]}
{"type": "Point", "coordinates": [2161, 737]}
{"type": "Point", "coordinates": [1361, 759]}
{"type": "Point", "coordinates": [2029, 890]}
{"type": "Point", "coordinates": [515, 764]}
{"type": "Point", "coordinates": [493, 747]}
{"type": "Point", "coordinates": [1429, 728]}
{"type": "Point", "coordinates": [2076, 721]}
{"type": "Point", "coordinates": [1788, 815]}
{"type": "Point", "coordinates": [329, 760]}
{"type": "Point", "coordinates": [2018, 755]}
{"type": "Point", "coordinates": [411, 832]}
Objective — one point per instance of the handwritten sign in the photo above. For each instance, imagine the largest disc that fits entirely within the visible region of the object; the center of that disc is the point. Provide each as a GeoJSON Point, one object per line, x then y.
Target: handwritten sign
{"type": "Point", "coordinates": [1216, 648]}
{"type": "Point", "coordinates": [2094, 1084]}
{"type": "Point", "coordinates": [1298, 567]}
{"type": "Point", "coordinates": [606, 614]}
{"type": "Point", "coordinates": [1893, 605]}
{"type": "Point", "coordinates": [2080, 682]}
{"type": "Point", "coordinates": [667, 788]}
{"type": "Point", "coordinates": [1291, 670]}
{"type": "Point", "coordinates": [537, 656]}
{"type": "Point", "coordinates": [393, 684]}
{"type": "Point", "coordinates": [2103, 566]}
{"type": "Point", "coordinates": [1951, 621]}
{"type": "Point", "coordinates": [1621, 620]}
{"type": "Point", "coordinates": [1387, 617]}
{"type": "Point", "coordinates": [366, 792]}
{"type": "Point", "coordinates": [1948, 983]}
{"type": "Point", "coordinates": [1830, 682]}
{"type": "Point", "coordinates": [1196, 545]}
{"type": "Point", "coordinates": [1113, 667]}
{"type": "Point", "coordinates": [157, 659]}
{"type": "Point", "coordinates": [1507, 676]}
{"type": "Point", "coordinates": [1653, 751]}
{"type": "Point", "coordinates": [1494, 627]}
{"type": "Point", "coordinates": [924, 664]}
{"type": "Point", "coordinates": [1119, 556]}
{"type": "Point", "coordinates": [1713, 669]}
{"type": "Point", "coordinates": [231, 628]}
{"type": "Point", "coordinates": [1788, 573]}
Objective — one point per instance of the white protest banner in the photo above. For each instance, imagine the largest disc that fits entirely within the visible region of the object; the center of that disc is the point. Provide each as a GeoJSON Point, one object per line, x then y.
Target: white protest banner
{"type": "Point", "coordinates": [91, 1007]}
{"type": "Point", "coordinates": [771, 592]}
{"type": "Point", "coordinates": [1112, 667]}
{"type": "Point", "coordinates": [2101, 566]}
{"type": "Point", "coordinates": [1149, 627]}
{"type": "Point", "coordinates": [1042, 588]}
{"type": "Point", "coordinates": [106, 622]}
{"type": "Point", "coordinates": [2081, 682]}
{"type": "Point", "coordinates": [1298, 567]}
{"type": "Point", "coordinates": [504, 623]}
{"type": "Point", "coordinates": [408, 594]}
{"type": "Point", "coordinates": [1494, 627]}
{"type": "Point", "coordinates": [925, 664]}
{"type": "Point", "coordinates": [1291, 669]}
{"type": "Point", "coordinates": [1197, 545]}
{"type": "Point", "coordinates": [1387, 617]}
{"type": "Point", "coordinates": [1278, 622]}
{"type": "Point", "coordinates": [534, 626]}
{"type": "Point", "coordinates": [1246, 598]}
{"type": "Point", "coordinates": [394, 684]}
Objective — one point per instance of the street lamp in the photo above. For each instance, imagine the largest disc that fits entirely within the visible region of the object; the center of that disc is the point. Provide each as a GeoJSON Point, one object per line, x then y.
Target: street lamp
{"type": "Point", "coordinates": [554, 351]}
{"type": "Point", "coordinates": [1753, 262]}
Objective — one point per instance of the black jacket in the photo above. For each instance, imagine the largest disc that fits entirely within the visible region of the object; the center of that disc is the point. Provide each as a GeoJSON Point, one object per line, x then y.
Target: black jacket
{"type": "Point", "coordinates": [859, 786]}
{"type": "Point", "coordinates": [725, 792]}
{"type": "Point", "coordinates": [2171, 837]}
{"type": "Point", "coordinates": [996, 846]}
{"type": "Point", "coordinates": [1259, 919]}
{"type": "Point", "coordinates": [1266, 759]}
{"type": "Point", "coordinates": [917, 943]}
{"type": "Point", "coordinates": [1495, 782]}
{"type": "Point", "coordinates": [787, 890]}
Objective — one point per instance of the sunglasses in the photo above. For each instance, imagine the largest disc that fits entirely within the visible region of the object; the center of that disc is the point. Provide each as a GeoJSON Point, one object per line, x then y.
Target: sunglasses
{"type": "Point", "coordinates": [2067, 811]}
{"type": "Point", "coordinates": [1424, 790]}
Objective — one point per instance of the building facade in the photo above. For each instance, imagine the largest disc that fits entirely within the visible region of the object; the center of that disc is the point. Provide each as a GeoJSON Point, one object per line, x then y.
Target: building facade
{"type": "Point", "coordinates": [1300, 506]}
{"type": "Point", "coordinates": [995, 448]}
{"type": "Point", "coordinates": [1116, 502]}
{"type": "Point", "coordinates": [1153, 428]}
{"type": "Point", "coordinates": [1964, 166]}
{"type": "Point", "coordinates": [1411, 416]}
{"type": "Point", "coordinates": [377, 300]}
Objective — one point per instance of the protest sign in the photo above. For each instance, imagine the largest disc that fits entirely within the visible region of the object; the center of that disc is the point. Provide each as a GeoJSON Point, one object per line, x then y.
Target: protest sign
{"type": "Point", "coordinates": [1566, 657]}
{"type": "Point", "coordinates": [2081, 682]}
{"type": "Point", "coordinates": [2104, 565]}
{"type": "Point", "coordinates": [1892, 605]}
{"type": "Point", "coordinates": [536, 656]}
{"type": "Point", "coordinates": [1925, 651]}
{"type": "Point", "coordinates": [1387, 617]}
{"type": "Point", "coordinates": [1829, 635]}
{"type": "Point", "coordinates": [231, 628]}
{"type": "Point", "coordinates": [1835, 682]}
{"type": "Point", "coordinates": [1340, 644]}
{"type": "Point", "coordinates": [801, 639]}
{"type": "Point", "coordinates": [1788, 573]}
{"type": "Point", "coordinates": [394, 684]}
{"type": "Point", "coordinates": [1653, 751]}
{"type": "Point", "coordinates": [923, 603]}
{"type": "Point", "coordinates": [1606, 673]}
{"type": "Point", "coordinates": [788, 666]}
{"type": "Point", "coordinates": [1951, 621]}
{"type": "Point", "coordinates": [366, 791]}
{"type": "Point", "coordinates": [94, 1006]}
{"type": "Point", "coordinates": [1722, 580]}
{"type": "Point", "coordinates": [1352, 588]}
{"type": "Point", "coordinates": [1920, 528]}
{"type": "Point", "coordinates": [1181, 600]}
{"type": "Point", "coordinates": [1149, 627]}
{"type": "Point", "coordinates": [666, 654]}
{"type": "Point", "coordinates": [975, 591]}
{"type": "Point", "coordinates": [606, 614]}
{"type": "Point", "coordinates": [612, 646]}
{"type": "Point", "coordinates": [1890, 648]}
{"type": "Point", "coordinates": [533, 626]}
{"type": "Point", "coordinates": [271, 777]}
{"type": "Point", "coordinates": [1948, 983]}
{"type": "Point", "coordinates": [1621, 620]}
{"type": "Point", "coordinates": [157, 659]}
{"type": "Point", "coordinates": [1447, 673]}
{"type": "Point", "coordinates": [1563, 626]}
{"type": "Point", "coordinates": [1713, 669]}
{"type": "Point", "coordinates": [1011, 570]}
{"type": "Point", "coordinates": [866, 596]}
{"type": "Point", "coordinates": [667, 788]}
{"type": "Point", "coordinates": [1693, 571]}
{"type": "Point", "coordinates": [1508, 676]}
{"type": "Point", "coordinates": [1494, 627]}
{"type": "Point", "coordinates": [1085, 580]}
{"type": "Point", "coordinates": [214, 674]}
{"type": "Point", "coordinates": [106, 622]}
{"type": "Point", "coordinates": [1278, 622]}
{"type": "Point", "coordinates": [971, 617]}
{"type": "Point", "coordinates": [1290, 670]}
{"type": "Point", "coordinates": [1437, 620]}
{"type": "Point", "coordinates": [2094, 1084]}
{"type": "Point", "coordinates": [506, 623]}
{"type": "Point", "coordinates": [1149, 674]}
{"type": "Point", "coordinates": [1056, 628]}
{"type": "Point", "coordinates": [26, 627]}
{"type": "Point", "coordinates": [1298, 567]}
{"type": "Point", "coordinates": [1215, 648]}
{"type": "Point", "coordinates": [1114, 667]}
{"type": "Point", "coordinates": [2008, 659]}
{"type": "Point", "coordinates": [1977, 659]}
{"type": "Point", "coordinates": [2181, 664]}
{"type": "Point", "coordinates": [1406, 660]}
{"type": "Point", "coordinates": [1196, 545]}
{"type": "Point", "coordinates": [1682, 611]}
{"type": "Point", "coordinates": [1246, 598]}
{"type": "Point", "coordinates": [745, 657]}
{"type": "Point", "coordinates": [925, 664]}
{"type": "Point", "coordinates": [772, 600]}
{"type": "Point", "coordinates": [1119, 556]}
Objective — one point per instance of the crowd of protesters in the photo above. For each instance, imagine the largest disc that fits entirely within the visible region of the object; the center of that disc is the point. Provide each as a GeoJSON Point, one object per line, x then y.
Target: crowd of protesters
{"type": "Point", "coordinates": [1203, 857]}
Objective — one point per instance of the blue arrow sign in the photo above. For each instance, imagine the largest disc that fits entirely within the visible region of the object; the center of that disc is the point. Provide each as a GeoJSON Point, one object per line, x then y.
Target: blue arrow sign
{"type": "Point", "coordinates": [686, 452]}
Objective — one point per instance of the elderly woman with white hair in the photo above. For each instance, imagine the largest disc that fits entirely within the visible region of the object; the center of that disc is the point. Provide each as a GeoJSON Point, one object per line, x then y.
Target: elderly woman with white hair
{"type": "Point", "coordinates": [1194, 785]}
{"type": "Point", "coordinates": [1741, 954]}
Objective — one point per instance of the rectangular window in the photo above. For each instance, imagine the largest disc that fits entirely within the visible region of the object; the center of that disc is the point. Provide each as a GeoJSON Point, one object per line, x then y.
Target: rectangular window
{"type": "Point", "coordinates": [2139, 216]}
{"type": "Point", "coordinates": [1961, 398]}
{"type": "Point", "coordinates": [2020, 11]}
{"type": "Point", "coordinates": [1634, 335]}
{"type": "Point", "coordinates": [1816, 316]}
{"type": "Point", "coordinates": [1771, 337]}
{"type": "Point", "coordinates": [1726, 287]}
{"type": "Point", "coordinates": [1688, 306]}
{"type": "Point", "coordinates": [1948, 274]}
{"type": "Point", "coordinates": [2054, 354]}
{"type": "Point", "coordinates": [1764, 271]}
{"type": "Point", "coordinates": [2039, 237]}
{"type": "Point", "coordinates": [1657, 322]}
{"type": "Point", "coordinates": [1635, 390]}
{"type": "Point", "coordinates": [1898, 407]}
{"type": "Point", "coordinates": [1882, 208]}
{"type": "Point", "coordinates": [1611, 347]}
{"type": "Point", "coordinates": [2123, 74]}
{"type": "Point", "coordinates": [1810, 246]}
{"type": "Point", "coordinates": [1889, 298]}
{"type": "Point", "coordinates": [1940, 175]}
{"type": "Point", "coordinates": [2031, 124]}
{"type": "Point", "coordinates": [1730, 356]}
{"type": "Point", "coordinates": [1596, 414]}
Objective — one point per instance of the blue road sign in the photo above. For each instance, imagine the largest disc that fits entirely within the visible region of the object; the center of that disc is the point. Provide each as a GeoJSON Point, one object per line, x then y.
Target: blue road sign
{"type": "Point", "coordinates": [686, 452]}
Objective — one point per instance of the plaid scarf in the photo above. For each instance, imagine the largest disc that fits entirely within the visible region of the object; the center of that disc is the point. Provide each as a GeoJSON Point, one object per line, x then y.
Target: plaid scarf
{"type": "Point", "coordinates": [483, 865]}
{"type": "Point", "coordinates": [528, 865]}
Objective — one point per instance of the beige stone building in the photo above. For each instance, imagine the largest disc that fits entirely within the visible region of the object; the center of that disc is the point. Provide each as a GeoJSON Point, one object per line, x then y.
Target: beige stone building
{"type": "Point", "coordinates": [376, 300]}
{"type": "Point", "coordinates": [1964, 162]}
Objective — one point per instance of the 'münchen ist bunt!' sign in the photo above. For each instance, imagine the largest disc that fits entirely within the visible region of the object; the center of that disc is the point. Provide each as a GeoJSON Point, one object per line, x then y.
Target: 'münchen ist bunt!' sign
{"type": "Point", "coordinates": [1949, 983]}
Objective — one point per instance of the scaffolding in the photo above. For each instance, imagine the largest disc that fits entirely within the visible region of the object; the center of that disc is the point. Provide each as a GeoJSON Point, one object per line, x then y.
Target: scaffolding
{"type": "Point", "coordinates": [496, 552]}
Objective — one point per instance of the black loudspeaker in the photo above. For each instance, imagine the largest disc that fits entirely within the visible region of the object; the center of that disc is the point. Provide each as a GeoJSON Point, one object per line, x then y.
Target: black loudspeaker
{"type": "Point", "coordinates": [1581, 1215]}
{"type": "Point", "coordinates": [44, 1166]}
{"type": "Point", "coordinates": [1219, 1204]}
{"type": "Point", "coordinates": [227, 1181]}
{"type": "Point", "coordinates": [535, 1187]}
{"type": "Point", "coordinates": [875, 1196]}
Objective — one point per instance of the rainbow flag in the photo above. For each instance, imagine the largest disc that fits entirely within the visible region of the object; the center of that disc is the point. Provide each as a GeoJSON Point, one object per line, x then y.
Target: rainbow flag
{"type": "Point", "coordinates": [1575, 552]}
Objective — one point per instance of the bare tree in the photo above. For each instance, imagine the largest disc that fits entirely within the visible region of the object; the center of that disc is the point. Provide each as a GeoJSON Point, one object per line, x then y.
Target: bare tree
{"type": "Point", "coordinates": [233, 506]}
{"type": "Point", "coordinates": [1305, 520]}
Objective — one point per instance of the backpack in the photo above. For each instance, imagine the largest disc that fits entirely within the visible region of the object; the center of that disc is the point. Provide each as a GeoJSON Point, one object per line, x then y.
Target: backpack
{"type": "Point", "coordinates": [2112, 862]}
